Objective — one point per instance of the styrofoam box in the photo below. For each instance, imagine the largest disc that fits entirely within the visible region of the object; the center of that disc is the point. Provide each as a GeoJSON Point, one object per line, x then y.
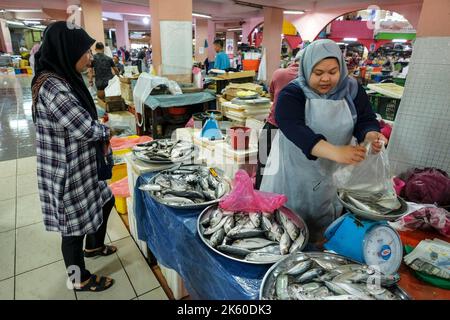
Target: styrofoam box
{"type": "Point", "coordinates": [175, 282]}
{"type": "Point", "coordinates": [142, 245]}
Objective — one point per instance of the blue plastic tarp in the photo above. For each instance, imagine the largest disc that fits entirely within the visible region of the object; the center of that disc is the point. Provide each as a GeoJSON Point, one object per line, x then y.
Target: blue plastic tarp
{"type": "Point", "coordinates": [171, 235]}
{"type": "Point", "coordinates": [178, 100]}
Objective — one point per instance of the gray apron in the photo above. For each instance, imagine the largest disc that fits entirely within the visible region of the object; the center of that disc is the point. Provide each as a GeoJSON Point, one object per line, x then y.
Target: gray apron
{"type": "Point", "coordinates": [308, 184]}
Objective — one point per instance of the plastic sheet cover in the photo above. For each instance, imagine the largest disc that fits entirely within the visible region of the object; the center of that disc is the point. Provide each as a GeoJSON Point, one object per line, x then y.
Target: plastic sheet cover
{"type": "Point", "coordinates": [186, 99]}
{"type": "Point", "coordinates": [171, 235]}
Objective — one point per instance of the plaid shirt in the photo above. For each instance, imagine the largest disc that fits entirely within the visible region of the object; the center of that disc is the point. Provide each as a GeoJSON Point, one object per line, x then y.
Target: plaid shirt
{"type": "Point", "coordinates": [71, 195]}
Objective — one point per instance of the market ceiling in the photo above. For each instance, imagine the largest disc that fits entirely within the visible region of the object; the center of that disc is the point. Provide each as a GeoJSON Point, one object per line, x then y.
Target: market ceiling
{"type": "Point", "coordinates": [221, 11]}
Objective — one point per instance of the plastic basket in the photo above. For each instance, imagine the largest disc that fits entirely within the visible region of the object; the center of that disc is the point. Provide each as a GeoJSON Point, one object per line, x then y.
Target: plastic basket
{"type": "Point", "coordinates": [385, 106]}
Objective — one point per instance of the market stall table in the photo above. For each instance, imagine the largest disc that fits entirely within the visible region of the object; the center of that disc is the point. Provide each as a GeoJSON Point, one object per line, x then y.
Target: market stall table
{"type": "Point", "coordinates": [171, 235]}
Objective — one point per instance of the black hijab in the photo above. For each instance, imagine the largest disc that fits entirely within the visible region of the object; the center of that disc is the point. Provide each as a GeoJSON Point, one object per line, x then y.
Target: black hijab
{"type": "Point", "coordinates": [62, 46]}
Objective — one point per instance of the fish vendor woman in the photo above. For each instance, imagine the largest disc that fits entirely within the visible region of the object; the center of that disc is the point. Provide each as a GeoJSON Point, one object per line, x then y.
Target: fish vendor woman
{"type": "Point", "coordinates": [322, 110]}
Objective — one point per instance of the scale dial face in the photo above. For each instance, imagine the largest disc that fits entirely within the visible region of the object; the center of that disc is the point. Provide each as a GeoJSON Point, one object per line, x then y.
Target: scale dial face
{"type": "Point", "coordinates": [383, 248]}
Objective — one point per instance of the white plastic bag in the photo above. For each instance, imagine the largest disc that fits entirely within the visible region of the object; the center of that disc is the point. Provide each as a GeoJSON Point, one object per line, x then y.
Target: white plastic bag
{"type": "Point", "coordinates": [113, 88]}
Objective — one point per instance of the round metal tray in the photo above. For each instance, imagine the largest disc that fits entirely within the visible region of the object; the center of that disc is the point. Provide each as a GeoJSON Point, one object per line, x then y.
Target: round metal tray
{"type": "Point", "coordinates": [394, 215]}
{"type": "Point", "coordinates": [190, 206]}
{"type": "Point", "coordinates": [267, 288]}
{"type": "Point", "coordinates": [254, 96]}
{"type": "Point", "coordinates": [190, 155]}
{"type": "Point", "coordinates": [293, 217]}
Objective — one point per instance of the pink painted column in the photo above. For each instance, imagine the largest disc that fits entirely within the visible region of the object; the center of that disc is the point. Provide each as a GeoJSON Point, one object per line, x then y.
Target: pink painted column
{"type": "Point", "coordinates": [92, 19]}
{"type": "Point", "coordinates": [201, 34]}
{"type": "Point", "coordinates": [5, 38]}
{"type": "Point", "coordinates": [168, 10]}
{"type": "Point", "coordinates": [231, 35]}
{"type": "Point", "coordinates": [434, 19]}
{"type": "Point", "coordinates": [122, 36]}
{"type": "Point", "coordinates": [211, 38]}
{"type": "Point", "coordinates": [273, 26]}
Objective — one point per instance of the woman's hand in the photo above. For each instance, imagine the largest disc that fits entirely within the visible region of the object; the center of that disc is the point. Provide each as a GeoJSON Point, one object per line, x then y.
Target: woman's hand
{"type": "Point", "coordinates": [377, 140]}
{"type": "Point", "coordinates": [349, 154]}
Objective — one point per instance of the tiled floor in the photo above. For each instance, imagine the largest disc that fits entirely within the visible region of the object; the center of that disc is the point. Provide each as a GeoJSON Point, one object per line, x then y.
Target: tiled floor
{"type": "Point", "coordinates": [31, 265]}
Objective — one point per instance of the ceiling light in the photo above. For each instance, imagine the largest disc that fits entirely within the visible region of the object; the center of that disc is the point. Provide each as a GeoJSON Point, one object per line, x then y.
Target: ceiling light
{"type": "Point", "coordinates": [31, 22]}
{"type": "Point", "coordinates": [248, 4]}
{"type": "Point", "coordinates": [104, 19]}
{"type": "Point", "coordinates": [24, 10]}
{"type": "Point", "coordinates": [351, 39]}
{"type": "Point", "coordinates": [400, 40]}
{"type": "Point", "coordinates": [200, 15]}
{"type": "Point", "coordinates": [146, 20]}
{"type": "Point", "coordinates": [15, 23]}
{"type": "Point", "coordinates": [294, 12]}
{"type": "Point", "coordinates": [235, 29]}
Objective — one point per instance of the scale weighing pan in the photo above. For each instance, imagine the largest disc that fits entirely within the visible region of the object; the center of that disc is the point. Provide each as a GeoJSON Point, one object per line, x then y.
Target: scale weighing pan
{"type": "Point", "coordinates": [392, 216]}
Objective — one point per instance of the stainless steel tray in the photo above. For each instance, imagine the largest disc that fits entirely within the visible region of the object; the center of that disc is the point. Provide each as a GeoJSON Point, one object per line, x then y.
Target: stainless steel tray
{"type": "Point", "coordinates": [297, 221]}
{"type": "Point", "coordinates": [191, 155]}
{"type": "Point", "coordinates": [267, 288]}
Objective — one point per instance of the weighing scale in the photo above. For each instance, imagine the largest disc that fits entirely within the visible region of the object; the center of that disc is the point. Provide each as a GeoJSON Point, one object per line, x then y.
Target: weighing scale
{"type": "Point", "coordinates": [374, 243]}
{"type": "Point", "coordinates": [211, 129]}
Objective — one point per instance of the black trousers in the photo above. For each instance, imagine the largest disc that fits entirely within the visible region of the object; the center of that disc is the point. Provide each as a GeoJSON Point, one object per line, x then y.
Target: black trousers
{"type": "Point", "coordinates": [72, 246]}
{"type": "Point", "coordinates": [264, 147]}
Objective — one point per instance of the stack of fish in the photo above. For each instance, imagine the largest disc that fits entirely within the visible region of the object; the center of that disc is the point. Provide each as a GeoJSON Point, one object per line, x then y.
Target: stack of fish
{"type": "Point", "coordinates": [163, 151]}
{"type": "Point", "coordinates": [187, 186]}
{"type": "Point", "coordinates": [260, 238]}
{"type": "Point", "coordinates": [376, 203]}
{"type": "Point", "coordinates": [324, 276]}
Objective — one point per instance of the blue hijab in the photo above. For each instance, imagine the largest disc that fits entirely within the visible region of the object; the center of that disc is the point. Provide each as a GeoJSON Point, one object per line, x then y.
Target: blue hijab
{"type": "Point", "coordinates": [347, 88]}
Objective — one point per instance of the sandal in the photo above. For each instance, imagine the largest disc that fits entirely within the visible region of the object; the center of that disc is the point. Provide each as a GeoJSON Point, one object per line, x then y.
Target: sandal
{"type": "Point", "coordinates": [95, 286]}
{"type": "Point", "coordinates": [105, 251]}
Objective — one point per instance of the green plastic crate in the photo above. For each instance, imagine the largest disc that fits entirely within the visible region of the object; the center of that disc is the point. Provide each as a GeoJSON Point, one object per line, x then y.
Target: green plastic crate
{"type": "Point", "coordinates": [387, 107]}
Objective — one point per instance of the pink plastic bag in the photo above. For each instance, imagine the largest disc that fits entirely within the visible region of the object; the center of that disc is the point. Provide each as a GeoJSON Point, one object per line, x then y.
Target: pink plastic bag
{"type": "Point", "coordinates": [120, 188]}
{"type": "Point", "coordinates": [399, 185]}
{"type": "Point", "coordinates": [118, 143]}
{"type": "Point", "coordinates": [426, 218]}
{"type": "Point", "coordinates": [245, 199]}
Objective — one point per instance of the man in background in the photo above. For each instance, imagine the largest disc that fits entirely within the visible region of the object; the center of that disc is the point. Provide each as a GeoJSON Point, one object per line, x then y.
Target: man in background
{"type": "Point", "coordinates": [118, 65]}
{"type": "Point", "coordinates": [221, 62]}
{"type": "Point", "coordinates": [102, 68]}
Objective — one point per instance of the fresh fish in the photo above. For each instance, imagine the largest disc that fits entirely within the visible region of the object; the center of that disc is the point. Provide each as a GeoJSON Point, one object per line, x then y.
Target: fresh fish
{"type": "Point", "coordinates": [177, 200]}
{"type": "Point", "coordinates": [238, 217]}
{"type": "Point", "coordinates": [216, 217]}
{"type": "Point", "coordinates": [341, 297]}
{"type": "Point", "coordinates": [354, 290]}
{"type": "Point", "coordinates": [285, 243]}
{"type": "Point", "coordinates": [217, 238]}
{"type": "Point", "coordinates": [150, 187]}
{"type": "Point", "coordinates": [185, 194]}
{"type": "Point", "coordinates": [214, 229]}
{"type": "Point", "coordinates": [243, 221]}
{"type": "Point", "coordinates": [255, 218]}
{"type": "Point", "coordinates": [245, 233]}
{"type": "Point", "coordinates": [299, 268]}
{"type": "Point", "coordinates": [272, 249]}
{"type": "Point", "coordinates": [326, 264]}
{"type": "Point", "coordinates": [309, 275]}
{"type": "Point", "coordinates": [263, 257]}
{"type": "Point", "coordinates": [204, 183]}
{"type": "Point", "coordinates": [229, 224]}
{"type": "Point", "coordinates": [205, 220]}
{"type": "Point", "coordinates": [320, 292]}
{"type": "Point", "coordinates": [268, 215]}
{"type": "Point", "coordinates": [208, 195]}
{"type": "Point", "coordinates": [290, 227]}
{"type": "Point", "coordinates": [220, 190]}
{"type": "Point", "coordinates": [309, 287]}
{"type": "Point", "coordinates": [213, 183]}
{"type": "Point", "coordinates": [282, 286]}
{"type": "Point", "coordinates": [234, 250]}
{"type": "Point", "coordinates": [276, 230]}
{"type": "Point", "coordinates": [349, 267]}
{"type": "Point", "coordinates": [266, 225]}
{"type": "Point", "coordinates": [298, 243]}
{"type": "Point", "coordinates": [252, 243]}
{"type": "Point", "coordinates": [335, 288]}
{"type": "Point", "coordinates": [163, 181]}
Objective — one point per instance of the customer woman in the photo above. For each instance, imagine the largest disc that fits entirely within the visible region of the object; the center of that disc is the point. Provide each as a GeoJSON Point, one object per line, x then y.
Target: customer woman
{"type": "Point", "coordinates": [74, 202]}
{"type": "Point", "coordinates": [318, 115]}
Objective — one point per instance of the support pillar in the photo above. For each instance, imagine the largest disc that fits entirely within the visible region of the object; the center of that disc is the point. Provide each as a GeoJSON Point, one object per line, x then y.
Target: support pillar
{"type": "Point", "coordinates": [211, 38]}
{"type": "Point", "coordinates": [122, 35]}
{"type": "Point", "coordinates": [170, 10]}
{"type": "Point", "coordinates": [5, 38]}
{"type": "Point", "coordinates": [92, 19]}
{"type": "Point", "coordinates": [201, 34]}
{"type": "Point", "coordinates": [273, 27]}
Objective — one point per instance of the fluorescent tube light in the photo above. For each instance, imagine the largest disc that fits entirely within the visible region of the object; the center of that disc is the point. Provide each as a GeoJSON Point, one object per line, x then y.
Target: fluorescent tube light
{"type": "Point", "coordinates": [351, 39]}
{"type": "Point", "coordinates": [200, 15]}
{"type": "Point", "coordinates": [294, 12]}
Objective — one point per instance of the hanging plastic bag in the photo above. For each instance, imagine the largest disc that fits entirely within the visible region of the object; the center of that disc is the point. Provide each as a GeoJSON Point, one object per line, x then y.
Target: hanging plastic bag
{"type": "Point", "coordinates": [368, 185]}
{"type": "Point", "coordinates": [243, 198]}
